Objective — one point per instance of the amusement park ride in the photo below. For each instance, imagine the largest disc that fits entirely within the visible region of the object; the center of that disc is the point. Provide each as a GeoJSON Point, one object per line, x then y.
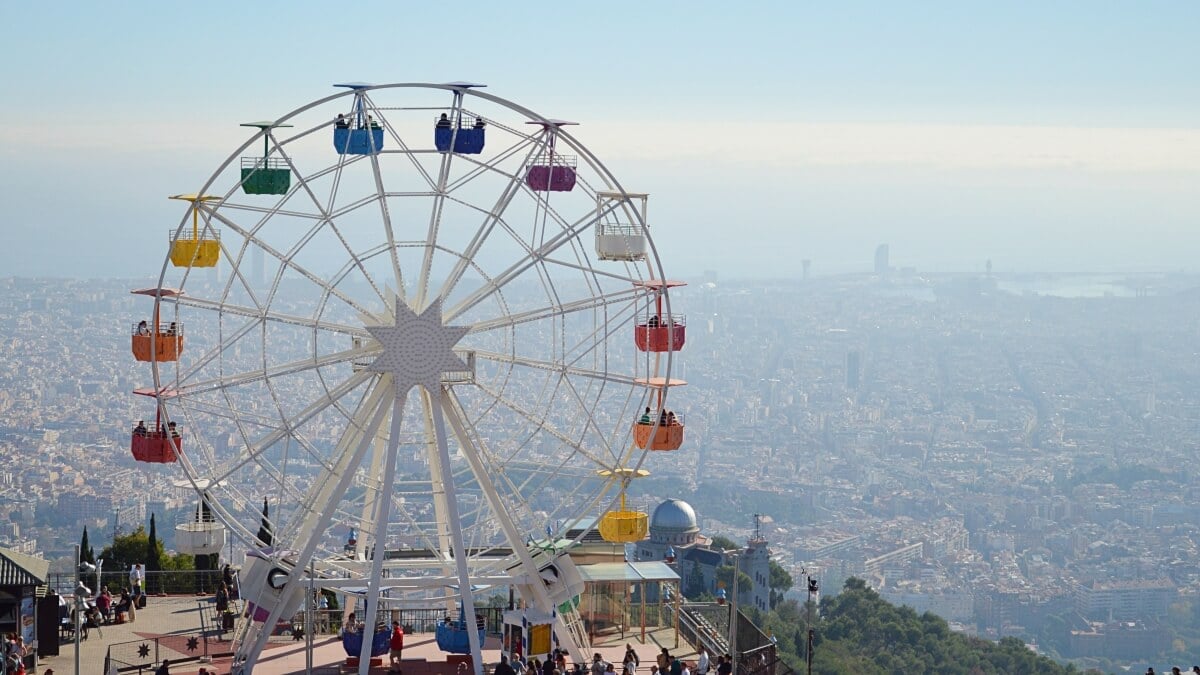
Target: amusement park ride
{"type": "Point", "coordinates": [438, 361]}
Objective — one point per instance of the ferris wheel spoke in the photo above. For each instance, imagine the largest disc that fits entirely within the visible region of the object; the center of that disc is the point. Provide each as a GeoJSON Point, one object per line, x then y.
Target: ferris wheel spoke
{"type": "Point", "coordinates": [287, 261]}
{"type": "Point", "coordinates": [461, 569]}
{"type": "Point", "coordinates": [552, 311]}
{"type": "Point", "coordinates": [324, 213]}
{"type": "Point", "coordinates": [494, 164]}
{"type": "Point", "coordinates": [437, 482]}
{"type": "Point", "coordinates": [268, 315]}
{"type": "Point", "coordinates": [382, 516]}
{"type": "Point", "coordinates": [267, 373]}
{"type": "Point", "coordinates": [589, 414]}
{"type": "Point", "coordinates": [313, 409]}
{"type": "Point", "coordinates": [600, 336]}
{"type": "Point", "coordinates": [316, 512]}
{"type": "Point", "coordinates": [491, 219]}
{"type": "Point", "coordinates": [555, 367]}
{"type": "Point", "coordinates": [543, 425]}
{"type": "Point", "coordinates": [267, 210]}
{"type": "Point", "coordinates": [533, 257]}
{"type": "Point", "coordinates": [225, 412]}
{"type": "Point", "coordinates": [361, 431]}
{"type": "Point", "coordinates": [403, 147]}
{"type": "Point", "coordinates": [448, 409]}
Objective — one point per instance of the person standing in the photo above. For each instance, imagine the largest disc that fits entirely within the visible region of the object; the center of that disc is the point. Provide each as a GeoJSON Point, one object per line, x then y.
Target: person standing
{"type": "Point", "coordinates": [726, 665]}
{"type": "Point", "coordinates": [664, 660]}
{"type": "Point", "coordinates": [504, 667]}
{"type": "Point", "coordinates": [702, 662]}
{"type": "Point", "coordinates": [137, 575]}
{"type": "Point", "coordinates": [631, 659]}
{"type": "Point", "coordinates": [397, 645]}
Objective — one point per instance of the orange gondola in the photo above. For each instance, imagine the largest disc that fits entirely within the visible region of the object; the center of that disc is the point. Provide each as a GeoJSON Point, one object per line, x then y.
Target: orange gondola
{"type": "Point", "coordinates": [152, 341]}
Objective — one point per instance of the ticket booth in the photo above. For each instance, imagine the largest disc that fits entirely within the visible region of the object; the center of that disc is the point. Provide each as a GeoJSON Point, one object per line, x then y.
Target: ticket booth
{"type": "Point", "coordinates": [21, 577]}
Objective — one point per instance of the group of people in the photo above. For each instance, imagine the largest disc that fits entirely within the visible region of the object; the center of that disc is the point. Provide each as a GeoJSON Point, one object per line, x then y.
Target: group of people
{"type": "Point", "coordinates": [140, 429]}
{"type": "Point", "coordinates": [666, 418]}
{"type": "Point", "coordinates": [108, 608]}
{"type": "Point", "coordinates": [656, 322]}
{"type": "Point", "coordinates": [343, 122]}
{"type": "Point", "coordinates": [15, 651]}
{"type": "Point", "coordinates": [143, 328]}
{"type": "Point", "coordinates": [666, 664]}
{"type": "Point", "coordinates": [444, 122]}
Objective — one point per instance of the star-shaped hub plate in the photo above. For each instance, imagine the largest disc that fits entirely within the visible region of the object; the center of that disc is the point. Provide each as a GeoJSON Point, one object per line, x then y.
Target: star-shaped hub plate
{"type": "Point", "coordinates": [418, 348]}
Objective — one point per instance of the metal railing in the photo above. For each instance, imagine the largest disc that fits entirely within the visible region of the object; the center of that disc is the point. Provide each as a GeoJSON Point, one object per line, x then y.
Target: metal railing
{"type": "Point", "coordinates": [707, 624]}
{"type": "Point", "coordinates": [412, 619]}
{"type": "Point", "coordinates": [263, 163]}
{"type": "Point", "coordinates": [554, 159]}
{"type": "Point", "coordinates": [170, 329]}
{"type": "Point", "coordinates": [663, 321]}
{"type": "Point", "coordinates": [144, 655]}
{"type": "Point", "coordinates": [622, 229]}
{"type": "Point", "coordinates": [166, 582]}
{"type": "Point", "coordinates": [205, 234]}
{"type": "Point", "coordinates": [663, 421]}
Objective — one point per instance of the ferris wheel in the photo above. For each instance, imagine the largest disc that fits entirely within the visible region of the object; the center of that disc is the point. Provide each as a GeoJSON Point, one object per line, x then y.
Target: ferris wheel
{"type": "Point", "coordinates": [433, 346]}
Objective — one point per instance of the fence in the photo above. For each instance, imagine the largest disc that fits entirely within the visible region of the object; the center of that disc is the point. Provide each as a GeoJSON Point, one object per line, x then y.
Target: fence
{"type": "Point", "coordinates": [169, 582]}
{"type": "Point", "coordinates": [143, 656]}
{"type": "Point", "coordinates": [707, 625]}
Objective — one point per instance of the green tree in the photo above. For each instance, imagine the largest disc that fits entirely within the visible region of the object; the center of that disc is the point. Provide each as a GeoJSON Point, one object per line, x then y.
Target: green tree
{"type": "Point", "coordinates": [725, 574]}
{"type": "Point", "coordinates": [154, 559]}
{"type": "Point", "coordinates": [695, 586]}
{"type": "Point", "coordinates": [126, 549]}
{"type": "Point", "coordinates": [780, 582]}
{"type": "Point", "coordinates": [87, 554]}
{"type": "Point", "coordinates": [723, 543]}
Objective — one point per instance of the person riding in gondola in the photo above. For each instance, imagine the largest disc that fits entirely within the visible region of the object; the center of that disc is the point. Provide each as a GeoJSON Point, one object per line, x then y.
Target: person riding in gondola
{"type": "Point", "coordinates": [140, 429]}
{"type": "Point", "coordinates": [443, 122]}
{"type": "Point", "coordinates": [479, 123]}
{"type": "Point", "coordinates": [341, 122]}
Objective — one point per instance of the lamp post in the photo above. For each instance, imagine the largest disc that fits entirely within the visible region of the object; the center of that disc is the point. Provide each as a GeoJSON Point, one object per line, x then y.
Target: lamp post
{"type": "Point", "coordinates": [80, 592]}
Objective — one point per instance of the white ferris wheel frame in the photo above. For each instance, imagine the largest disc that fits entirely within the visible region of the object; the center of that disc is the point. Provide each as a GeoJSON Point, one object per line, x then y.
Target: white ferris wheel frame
{"type": "Point", "coordinates": [442, 407]}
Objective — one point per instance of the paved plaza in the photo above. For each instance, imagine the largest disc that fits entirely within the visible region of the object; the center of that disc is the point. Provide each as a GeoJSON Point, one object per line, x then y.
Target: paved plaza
{"type": "Point", "coordinates": [170, 627]}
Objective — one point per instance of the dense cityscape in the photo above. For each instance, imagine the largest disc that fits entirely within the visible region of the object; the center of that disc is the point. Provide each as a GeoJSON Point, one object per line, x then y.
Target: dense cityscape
{"type": "Point", "coordinates": [1016, 463]}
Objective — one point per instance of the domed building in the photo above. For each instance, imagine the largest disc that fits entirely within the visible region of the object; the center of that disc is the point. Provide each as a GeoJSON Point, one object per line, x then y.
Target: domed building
{"type": "Point", "coordinates": [672, 526]}
{"type": "Point", "coordinates": [674, 530]}
{"type": "Point", "coordinates": [674, 523]}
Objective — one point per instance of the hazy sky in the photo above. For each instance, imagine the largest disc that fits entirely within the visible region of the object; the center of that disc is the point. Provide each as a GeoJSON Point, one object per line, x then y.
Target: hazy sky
{"type": "Point", "coordinates": [1060, 135]}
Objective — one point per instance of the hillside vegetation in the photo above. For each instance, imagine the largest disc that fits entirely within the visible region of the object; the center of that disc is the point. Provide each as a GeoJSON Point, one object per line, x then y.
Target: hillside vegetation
{"type": "Point", "coordinates": [859, 633]}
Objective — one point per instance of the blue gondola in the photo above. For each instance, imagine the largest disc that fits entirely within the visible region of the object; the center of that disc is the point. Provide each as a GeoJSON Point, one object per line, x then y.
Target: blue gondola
{"type": "Point", "coordinates": [352, 642]}
{"type": "Point", "coordinates": [357, 141]}
{"type": "Point", "coordinates": [452, 636]}
{"type": "Point", "coordinates": [468, 141]}
{"type": "Point", "coordinates": [357, 133]}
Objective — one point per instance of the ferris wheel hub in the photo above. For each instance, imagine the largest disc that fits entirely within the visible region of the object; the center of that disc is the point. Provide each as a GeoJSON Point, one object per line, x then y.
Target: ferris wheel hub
{"type": "Point", "coordinates": [417, 348]}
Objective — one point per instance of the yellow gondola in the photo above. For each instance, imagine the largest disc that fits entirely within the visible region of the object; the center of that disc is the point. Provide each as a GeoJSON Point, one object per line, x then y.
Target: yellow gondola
{"type": "Point", "coordinates": [624, 525]}
{"type": "Point", "coordinates": [203, 248]}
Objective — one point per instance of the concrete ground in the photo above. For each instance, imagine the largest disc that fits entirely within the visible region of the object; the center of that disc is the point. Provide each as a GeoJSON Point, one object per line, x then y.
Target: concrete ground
{"type": "Point", "coordinates": [169, 627]}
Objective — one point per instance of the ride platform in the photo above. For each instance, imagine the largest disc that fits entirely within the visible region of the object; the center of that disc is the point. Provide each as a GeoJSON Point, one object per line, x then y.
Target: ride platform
{"type": "Point", "coordinates": [171, 620]}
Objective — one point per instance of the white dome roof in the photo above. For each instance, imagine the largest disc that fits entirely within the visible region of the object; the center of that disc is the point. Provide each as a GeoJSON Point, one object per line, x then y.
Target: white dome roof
{"type": "Point", "coordinates": [674, 515]}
